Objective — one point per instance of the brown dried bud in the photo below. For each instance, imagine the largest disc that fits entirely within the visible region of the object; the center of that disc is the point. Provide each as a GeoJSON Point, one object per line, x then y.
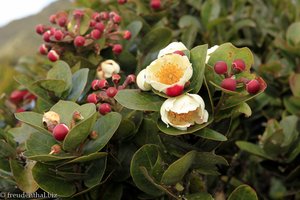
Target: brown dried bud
{"type": "Point", "coordinates": [50, 120]}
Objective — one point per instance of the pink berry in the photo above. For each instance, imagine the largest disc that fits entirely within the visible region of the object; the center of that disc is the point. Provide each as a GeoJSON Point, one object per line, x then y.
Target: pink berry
{"type": "Point", "coordinates": [130, 79]}
{"type": "Point", "coordinates": [20, 110]}
{"type": "Point", "coordinates": [104, 15]}
{"type": "Point", "coordinates": [121, 2]}
{"type": "Point", "coordinates": [127, 35]}
{"type": "Point", "coordinates": [100, 26]}
{"type": "Point", "coordinates": [78, 13]}
{"type": "Point", "coordinates": [253, 86]}
{"type": "Point", "coordinates": [238, 65]}
{"type": "Point", "coordinates": [116, 78]}
{"type": "Point", "coordinates": [220, 67]}
{"type": "Point", "coordinates": [111, 92]}
{"type": "Point", "coordinates": [104, 108]}
{"type": "Point", "coordinates": [40, 29]}
{"type": "Point", "coordinates": [117, 48]}
{"type": "Point", "coordinates": [79, 41]}
{"type": "Point", "coordinates": [62, 21]}
{"type": "Point", "coordinates": [102, 84]}
{"type": "Point", "coordinates": [46, 36]}
{"type": "Point", "coordinates": [174, 90]}
{"type": "Point", "coordinates": [96, 34]}
{"type": "Point", "coordinates": [60, 131]}
{"type": "Point", "coordinates": [58, 35]}
{"type": "Point", "coordinates": [18, 95]}
{"type": "Point", "coordinates": [155, 4]}
{"type": "Point", "coordinates": [43, 49]}
{"type": "Point", "coordinates": [95, 16]}
{"type": "Point", "coordinates": [92, 23]}
{"type": "Point", "coordinates": [117, 19]}
{"type": "Point", "coordinates": [52, 19]}
{"type": "Point", "coordinates": [95, 84]}
{"type": "Point", "coordinates": [92, 98]}
{"type": "Point", "coordinates": [179, 53]}
{"type": "Point", "coordinates": [53, 55]}
{"type": "Point", "coordinates": [229, 84]}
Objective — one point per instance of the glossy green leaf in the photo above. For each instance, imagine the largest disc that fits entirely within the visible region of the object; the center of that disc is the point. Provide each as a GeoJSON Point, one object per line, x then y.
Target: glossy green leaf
{"type": "Point", "coordinates": [137, 100]}
{"type": "Point", "coordinates": [33, 119]}
{"type": "Point", "coordinates": [198, 57]}
{"type": "Point", "coordinates": [189, 26]}
{"type": "Point", "coordinates": [134, 27]}
{"type": "Point", "coordinates": [252, 148]}
{"type": "Point", "coordinates": [211, 134]}
{"type": "Point", "coordinates": [210, 10]}
{"type": "Point", "coordinates": [84, 24]}
{"type": "Point", "coordinates": [293, 34]}
{"type": "Point", "coordinates": [23, 176]}
{"type": "Point", "coordinates": [199, 196]}
{"type": "Point", "coordinates": [155, 40]}
{"type": "Point", "coordinates": [61, 71]}
{"type": "Point", "coordinates": [294, 81]}
{"type": "Point", "coordinates": [49, 182]}
{"type": "Point", "coordinates": [22, 133]}
{"type": "Point", "coordinates": [176, 171]}
{"type": "Point", "coordinates": [145, 157]}
{"type": "Point", "coordinates": [65, 109]}
{"type": "Point", "coordinates": [86, 158]}
{"type": "Point", "coordinates": [79, 81]}
{"type": "Point", "coordinates": [53, 85]}
{"type": "Point", "coordinates": [205, 163]}
{"type": "Point", "coordinates": [6, 150]}
{"type": "Point", "coordinates": [243, 192]}
{"type": "Point", "coordinates": [105, 127]}
{"type": "Point", "coordinates": [95, 172]}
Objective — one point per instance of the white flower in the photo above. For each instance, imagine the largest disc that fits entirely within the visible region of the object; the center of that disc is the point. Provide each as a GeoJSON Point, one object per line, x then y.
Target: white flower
{"type": "Point", "coordinates": [107, 69]}
{"type": "Point", "coordinates": [174, 46]}
{"type": "Point", "coordinates": [50, 120]}
{"type": "Point", "coordinates": [184, 111]}
{"type": "Point", "coordinates": [141, 81]}
{"type": "Point", "coordinates": [210, 51]}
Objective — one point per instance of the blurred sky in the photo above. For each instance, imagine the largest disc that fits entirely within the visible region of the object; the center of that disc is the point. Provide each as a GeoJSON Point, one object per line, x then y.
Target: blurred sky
{"type": "Point", "coordinates": [16, 9]}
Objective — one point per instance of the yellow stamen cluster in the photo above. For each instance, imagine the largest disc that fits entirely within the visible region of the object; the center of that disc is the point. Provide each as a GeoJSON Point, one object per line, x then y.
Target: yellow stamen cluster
{"type": "Point", "coordinates": [169, 74]}
{"type": "Point", "coordinates": [182, 118]}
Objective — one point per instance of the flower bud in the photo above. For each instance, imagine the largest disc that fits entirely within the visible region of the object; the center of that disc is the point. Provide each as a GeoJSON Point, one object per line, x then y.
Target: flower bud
{"type": "Point", "coordinates": [92, 98]}
{"type": "Point", "coordinates": [102, 84]}
{"type": "Point", "coordinates": [95, 84]}
{"type": "Point", "coordinates": [78, 14]}
{"type": "Point", "coordinates": [93, 23]}
{"type": "Point", "coordinates": [93, 135]}
{"type": "Point", "coordinates": [58, 35]}
{"type": "Point", "coordinates": [79, 41]}
{"type": "Point", "coordinates": [155, 4]}
{"type": "Point", "coordinates": [130, 79]}
{"type": "Point", "coordinates": [100, 26]}
{"type": "Point", "coordinates": [115, 17]}
{"type": "Point", "coordinates": [46, 36]}
{"type": "Point", "coordinates": [111, 92]}
{"type": "Point", "coordinates": [141, 81]}
{"type": "Point", "coordinates": [104, 15]}
{"type": "Point", "coordinates": [104, 108]}
{"type": "Point", "coordinates": [220, 67]}
{"type": "Point", "coordinates": [121, 2]}
{"type": "Point", "coordinates": [253, 86]}
{"type": "Point", "coordinates": [52, 19]}
{"type": "Point", "coordinates": [50, 120]}
{"type": "Point", "coordinates": [77, 116]}
{"type": "Point", "coordinates": [127, 35]}
{"type": "Point", "coordinates": [43, 49]}
{"type": "Point", "coordinates": [116, 78]}
{"type": "Point", "coordinates": [238, 65]}
{"type": "Point", "coordinates": [62, 21]}
{"type": "Point", "coordinates": [229, 84]}
{"type": "Point", "coordinates": [55, 149]}
{"type": "Point", "coordinates": [96, 34]}
{"type": "Point", "coordinates": [117, 49]}
{"type": "Point", "coordinates": [96, 16]}
{"type": "Point", "coordinates": [179, 53]}
{"type": "Point", "coordinates": [40, 29]}
{"type": "Point", "coordinates": [174, 91]}
{"type": "Point", "coordinates": [60, 132]}
{"type": "Point", "coordinates": [53, 56]}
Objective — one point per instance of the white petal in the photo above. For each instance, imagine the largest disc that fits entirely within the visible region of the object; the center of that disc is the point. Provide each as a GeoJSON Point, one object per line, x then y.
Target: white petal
{"type": "Point", "coordinates": [110, 67]}
{"type": "Point", "coordinates": [199, 100]}
{"type": "Point", "coordinates": [174, 46]}
{"type": "Point", "coordinates": [184, 104]}
{"type": "Point", "coordinates": [210, 51]}
{"type": "Point", "coordinates": [141, 81]}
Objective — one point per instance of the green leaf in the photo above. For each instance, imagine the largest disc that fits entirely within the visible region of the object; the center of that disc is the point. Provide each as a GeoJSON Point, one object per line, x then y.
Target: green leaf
{"type": "Point", "coordinates": [65, 109]}
{"type": "Point", "coordinates": [137, 100]}
{"type": "Point", "coordinates": [33, 119]}
{"type": "Point", "coordinates": [50, 182]}
{"type": "Point", "coordinates": [23, 176]}
{"type": "Point", "coordinates": [86, 158]}
{"type": "Point", "coordinates": [252, 148]}
{"type": "Point", "coordinates": [105, 127]}
{"type": "Point", "coordinates": [84, 24]}
{"type": "Point", "coordinates": [199, 196]}
{"type": "Point", "coordinates": [6, 150]}
{"type": "Point", "coordinates": [211, 134]}
{"type": "Point", "coordinates": [113, 192]}
{"type": "Point", "coordinates": [289, 126]}
{"type": "Point", "coordinates": [293, 34]}
{"type": "Point", "coordinates": [155, 40]}
{"type": "Point", "coordinates": [205, 163]}
{"type": "Point", "coordinates": [198, 57]}
{"type": "Point", "coordinates": [134, 27]}
{"type": "Point", "coordinates": [82, 129]}
{"type": "Point", "coordinates": [294, 81]}
{"type": "Point", "coordinates": [95, 172]}
{"type": "Point", "coordinates": [189, 26]}
{"type": "Point", "coordinates": [145, 157]}
{"type": "Point", "coordinates": [53, 85]}
{"type": "Point", "coordinates": [79, 81]}
{"type": "Point", "coordinates": [176, 171]}
{"type": "Point", "coordinates": [243, 192]}
{"type": "Point", "coordinates": [22, 133]}
{"type": "Point", "coordinates": [210, 10]}
{"type": "Point", "coordinates": [243, 108]}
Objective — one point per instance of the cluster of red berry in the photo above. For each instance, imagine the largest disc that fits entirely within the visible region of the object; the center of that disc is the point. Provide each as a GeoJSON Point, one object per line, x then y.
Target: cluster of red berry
{"type": "Point", "coordinates": [22, 100]}
{"type": "Point", "coordinates": [105, 93]}
{"type": "Point", "coordinates": [230, 83]}
{"type": "Point", "coordinates": [154, 4]}
{"type": "Point", "coordinates": [103, 26]}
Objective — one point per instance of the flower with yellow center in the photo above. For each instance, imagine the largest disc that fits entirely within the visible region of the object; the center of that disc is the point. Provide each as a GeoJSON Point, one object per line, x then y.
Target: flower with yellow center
{"type": "Point", "coordinates": [172, 47]}
{"type": "Point", "coordinates": [107, 69]}
{"type": "Point", "coordinates": [184, 111]}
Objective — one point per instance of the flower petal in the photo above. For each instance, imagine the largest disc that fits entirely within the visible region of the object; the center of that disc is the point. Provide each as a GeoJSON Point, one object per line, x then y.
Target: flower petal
{"type": "Point", "coordinates": [210, 51]}
{"type": "Point", "coordinates": [174, 46]}
{"type": "Point", "coordinates": [141, 81]}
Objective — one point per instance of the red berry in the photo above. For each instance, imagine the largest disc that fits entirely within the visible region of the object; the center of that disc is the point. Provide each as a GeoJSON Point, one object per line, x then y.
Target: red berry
{"type": "Point", "coordinates": [130, 79]}
{"type": "Point", "coordinates": [18, 95]}
{"type": "Point", "coordinates": [53, 56]}
{"type": "Point", "coordinates": [78, 13]}
{"type": "Point", "coordinates": [58, 35]}
{"type": "Point", "coordinates": [220, 67]}
{"type": "Point", "coordinates": [95, 84]}
{"type": "Point", "coordinates": [79, 41]}
{"type": "Point", "coordinates": [43, 49]}
{"type": "Point", "coordinates": [62, 21]}
{"type": "Point", "coordinates": [100, 26]}
{"type": "Point", "coordinates": [238, 65]}
{"type": "Point", "coordinates": [96, 34]}
{"type": "Point", "coordinates": [253, 86]}
{"type": "Point", "coordinates": [92, 23]}
{"type": "Point", "coordinates": [46, 36]}
{"type": "Point", "coordinates": [52, 19]}
{"type": "Point", "coordinates": [117, 49]}
{"type": "Point", "coordinates": [92, 98]}
{"type": "Point", "coordinates": [40, 29]}
{"type": "Point", "coordinates": [127, 35]}
{"type": "Point", "coordinates": [104, 15]}
{"type": "Point", "coordinates": [229, 84]}
{"type": "Point", "coordinates": [174, 90]}
{"type": "Point", "coordinates": [19, 110]}
{"type": "Point", "coordinates": [60, 131]}
{"type": "Point", "coordinates": [104, 108]}
{"type": "Point", "coordinates": [95, 16]}
{"type": "Point", "coordinates": [122, 1]}
{"type": "Point", "coordinates": [117, 19]}
{"type": "Point", "coordinates": [111, 92]}
{"type": "Point", "coordinates": [179, 53]}
{"type": "Point", "coordinates": [102, 84]}
{"type": "Point", "coordinates": [155, 4]}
